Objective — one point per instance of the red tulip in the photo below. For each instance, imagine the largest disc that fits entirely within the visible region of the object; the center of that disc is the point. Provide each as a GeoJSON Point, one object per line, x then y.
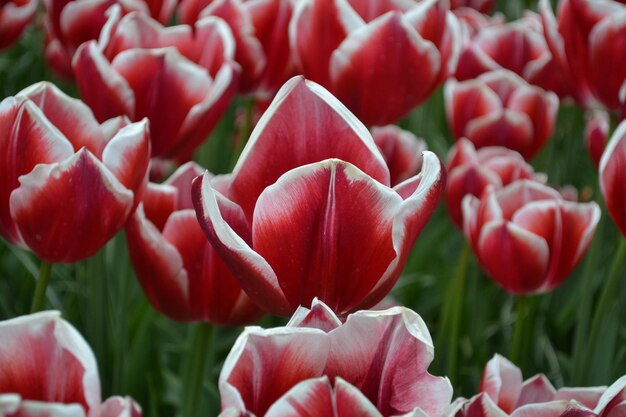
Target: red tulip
{"type": "Point", "coordinates": [179, 270]}
{"type": "Point", "coordinates": [68, 184]}
{"type": "Point", "coordinates": [613, 176]}
{"type": "Point", "coordinates": [501, 109]}
{"type": "Point", "coordinates": [15, 15]}
{"type": "Point", "coordinates": [402, 151]}
{"type": "Point", "coordinates": [586, 38]}
{"type": "Point", "coordinates": [48, 369]}
{"type": "Point", "coordinates": [470, 172]}
{"type": "Point", "coordinates": [181, 81]}
{"type": "Point", "coordinates": [375, 364]}
{"type": "Point", "coordinates": [260, 29]}
{"type": "Point", "coordinates": [597, 123]}
{"type": "Point", "coordinates": [526, 236]}
{"type": "Point", "coordinates": [483, 6]}
{"type": "Point", "coordinates": [364, 50]}
{"type": "Point", "coordinates": [345, 233]}
{"type": "Point", "coordinates": [503, 393]}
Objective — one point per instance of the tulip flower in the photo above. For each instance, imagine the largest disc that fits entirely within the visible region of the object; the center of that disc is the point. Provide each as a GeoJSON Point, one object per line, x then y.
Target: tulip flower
{"type": "Point", "coordinates": [180, 272]}
{"type": "Point", "coordinates": [407, 48]}
{"type": "Point", "coordinates": [501, 109]}
{"type": "Point", "coordinates": [181, 80]}
{"type": "Point", "coordinates": [471, 171]}
{"type": "Point", "coordinates": [375, 364]}
{"type": "Point", "coordinates": [15, 15]}
{"type": "Point", "coordinates": [402, 151]}
{"type": "Point", "coordinates": [597, 124]}
{"type": "Point", "coordinates": [585, 38]}
{"type": "Point", "coordinates": [612, 173]}
{"type": "Point", "coordinates": [504, 393]}
{"type": "Point", "coordinates": [319, 227]}
{"type": "Point", "coordinates": [526, 236]}
{"type": "Point", "coordinates": [261, 34]}
{"type": "Point", "coordinates": [48, 369]}
{"type": "Point", "coordinates": [67, 183]}
{"type": "Point", "coordinates": [483, 6]}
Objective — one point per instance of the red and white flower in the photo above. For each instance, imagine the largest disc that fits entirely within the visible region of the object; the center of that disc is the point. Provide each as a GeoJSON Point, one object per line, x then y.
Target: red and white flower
{"type": "Point", "coordinates": [612, 172]}
{"type": "Point", "coordinates": [15, 15]}
{"type": "Point", "coordinates": [402, 151]}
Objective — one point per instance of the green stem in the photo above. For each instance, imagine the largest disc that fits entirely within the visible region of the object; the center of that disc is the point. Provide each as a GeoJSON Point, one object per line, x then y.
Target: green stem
{"type": "Point", "coordinates": [456, 309]}
{"type": "Point", "coordinates": [244, 135]}
{"type": "Point", "coordinates": [41, 286]}
{"type": "Point", "coordinates": [605, 303]}
{"type": "Point", "coordinates": [519, 331]}
{"type": "Point", "coordinates": [200, 358]}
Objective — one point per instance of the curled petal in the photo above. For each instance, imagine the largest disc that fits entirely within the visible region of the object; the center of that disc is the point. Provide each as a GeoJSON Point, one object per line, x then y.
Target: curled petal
{"type": "Point", "coordinates": [502, 381]}
{"type": "Point", "coordinates": [319, 316]}
{"type": "Point", "coordinates": [402, 151]}
{"type": "Point", "coordinates": [55, 218]}
{"type": "Point", "coordinates": [537, 389]}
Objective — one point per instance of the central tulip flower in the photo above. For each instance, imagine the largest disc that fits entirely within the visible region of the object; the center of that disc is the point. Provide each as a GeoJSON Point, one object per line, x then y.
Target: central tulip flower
{"type": "Point", "coordinates": [180, 272]}
{"type": "Point", "coordinates": [380, 58]}
{"type": "Point", "coordinates": [501, 109]}
{"type": "Point", "coordinates": [48, 369]}
{"type": "Point", "coordinates": [67, 183]}
{"type": "Point", "coordinates": [321, 218]}
{"type": "Point", "coordinates": [181, 79]}
{"type": "Point", "coordinates": [526, 236]}
{"type": "Point", "coordinates": [375, 364]}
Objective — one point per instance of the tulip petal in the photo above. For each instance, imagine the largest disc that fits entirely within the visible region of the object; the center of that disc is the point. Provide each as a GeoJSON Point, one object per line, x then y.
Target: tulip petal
{"type": "Point", "coordinates": [483, 406]}
{"type": "Point", "coordinates": [402, 151]}
{"type": "Point", "coordinates": [505, 128]}
{"type": "Point", "coordinates": [613, 176]}
{"type": "Point", "coordinates": [397, 58]}
{"type": "Point", "coordinates": [11, 405]}
{"type": "Point", "coordinates": [320, 316]}
{"type": "Point", "coordinates": [587, 396]}
{"type": "Point", "coordinates": [467, 101]}
{"type": "Point", "coordinates": [502, 382]}
{"type": "Point", "coordinates": [70, 374]}
{"type": "Point", "coordinates": [335, 255]}
{"type": "Point", "coordinates": [55, 219]}
{"type": "Point", "coordinates": [537, 389]}
{"type": "Point", "coordinates": [253, 273]}
{"type": "Point", "coordinates": [386, 355]}
{"type": "Point", "coordinates": [182, 180]}
{"type": "Point", "coordinates": [302, 109]}
{"type": "Point", "coordinates": [553, 409]}
{"type": "Point", "coordinates": [120, 407]}
{"type": "Point", "coordinates": [27, 138]}
{"type": "Point", "coordinates": [263, 365]}
{"type": "Point", "coordinates": [214, 44]}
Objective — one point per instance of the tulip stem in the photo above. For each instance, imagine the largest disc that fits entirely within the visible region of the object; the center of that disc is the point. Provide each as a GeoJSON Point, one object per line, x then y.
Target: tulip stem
{"type": "Point", "coordinates": [520, 331]}
{"type": "Point", "coordinates": [199, 363]}
{"type": "Point", "coordinates": [605, 303]}
{"type": "Point", "coordinates": [455, 306]}
{"type": "Point", "coordinates": [40, 288]}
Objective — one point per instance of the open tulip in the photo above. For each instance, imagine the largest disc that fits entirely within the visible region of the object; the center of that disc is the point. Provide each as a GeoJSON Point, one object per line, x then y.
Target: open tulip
{"type": "Point", "coordinates": [67, 183]}
{"type": "Point", "coordinates": [503, 393]}
{"type": "Point", "coordinates": [408, 48]}
{"type": "Point", "coordinates": [320, 227]}
{"type": "Point", "coordinates": [471, 171]}
{"type": "Point", "coordinates": [613, 176]}
{"type": "Point", "coordinates": [501, 109]}
{"type": "Point", "coordinates": [587, 37]}
{"type": "Point", "coordinates": [181, 273]}
{"type": "Point", "coordinates": [375, 364]}
{"type": "Point", "coordinates": [15, 15]}
{"type": "Point", "coordinates": [260, 29]}
{"type": "Point", "coordinates": [526, 236]}
{"type": "Point", "coordinates": [48, 369]}
{"type": "Point", "coordinates": [181, 79]}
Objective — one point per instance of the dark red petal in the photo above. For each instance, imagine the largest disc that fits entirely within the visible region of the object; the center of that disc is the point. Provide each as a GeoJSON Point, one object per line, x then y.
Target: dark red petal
{"type": "Point", "coordinates": [386, 355]}
{"type": "Point", "coordinates": [304, 124]}
{"type": "Point", "coordinates": [398, 60]}
{"type": "Point", "coordinates": [510, 129]}
{"type": "Point", "coordinates": [402, 151]}
{"type": "Point", "coordinates": [613, 176]}
{"type": "Point", "coordinates": [597, 124]}
{"type": "Point", "coordinates": [14, 17]}
{"type": "Point", "coordinates": [320, 316]}
{"type": "Point", "coordinates": [214, 44]}
{"type": "Point", "coordinates": [263, 365]}
{"type": "Point", "coordinates": [307, 228]}
{"type": "Point", "coordinates": [182, 179]}
{"type": "Point", "coordinates": [71, 373]}
{"type": "Point", "coordinates": [468, 101]}
{"type": "Point", "coordinates": [67, 211]}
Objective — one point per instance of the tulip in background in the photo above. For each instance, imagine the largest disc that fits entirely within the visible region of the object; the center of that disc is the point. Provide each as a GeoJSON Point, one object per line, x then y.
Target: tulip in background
{"type": "Point", "coordinates": [401, 150]}
{"type": "Point", "coordinates": [407, 48]}
{"type": "Point", "coordinates": [613, 176]}
{"type": "Point", "coordinates": [15, 15]}
{"type": "Point", "coordinates": [483, 6]}
{"type": "Point", "coordinates": [526, 236]}
{"type": "Point", "coordinates": [48, 369]}
{"type": "Point", "coordinates": [375, 364]}
{"type": "Point", "coordinates": [181, 79]}
{"type": "Point", "coordinates": [319, 227]}
{"type": "Point", "coordinates": [501, 109]}
{"type": "Point", "coordinates": [471, 171]}
{"type": "Point", "coordinates": [179, 270]}
{"type": "Point", "coordinates": [586, 39]}
{"type": "Point", "coordinates": [67, 183]}
{"type": "Point", "coordinates": [260, 29]}
{"type": "Point", "coordinates": [597, 124]}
